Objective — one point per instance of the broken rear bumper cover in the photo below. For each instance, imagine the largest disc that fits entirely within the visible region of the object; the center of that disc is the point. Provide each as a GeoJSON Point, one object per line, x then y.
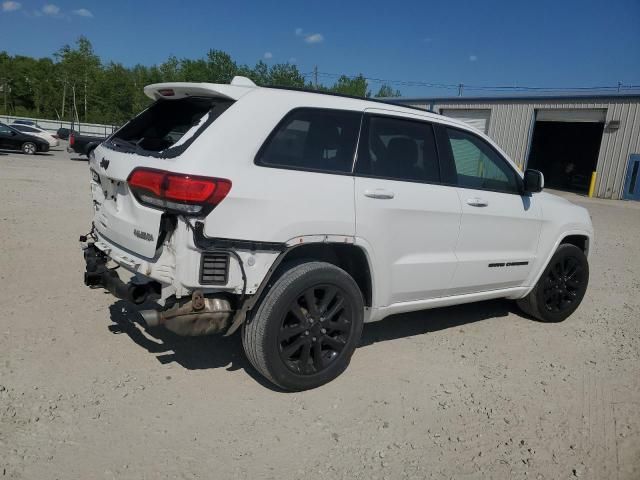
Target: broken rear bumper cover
{"type": "Point", "coordinates": [98, 274]}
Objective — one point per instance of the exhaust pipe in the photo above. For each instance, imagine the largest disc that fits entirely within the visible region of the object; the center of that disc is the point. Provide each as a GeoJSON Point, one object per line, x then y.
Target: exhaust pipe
{"type": "Point", "coordinates": [132, 292]}
{"type": "Point", "coordinates": [198, 316]}
{"type": "Point", "coordinates": [98, 275]}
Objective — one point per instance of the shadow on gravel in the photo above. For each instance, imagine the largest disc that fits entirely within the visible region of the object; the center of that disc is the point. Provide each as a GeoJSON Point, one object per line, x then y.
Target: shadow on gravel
{"type": "Point", "coordinates": [433, 320]}
{"type": "Point", "coordinates": [216, 351]}
{"type": "Point", "coordinates": [192, 353]}
{"type": "Point", "coordinates": [18, 152]}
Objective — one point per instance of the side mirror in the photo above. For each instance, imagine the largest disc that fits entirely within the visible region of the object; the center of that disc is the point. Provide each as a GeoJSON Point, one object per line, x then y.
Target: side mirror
{"type": "Point", "coordinates": [533, 181]}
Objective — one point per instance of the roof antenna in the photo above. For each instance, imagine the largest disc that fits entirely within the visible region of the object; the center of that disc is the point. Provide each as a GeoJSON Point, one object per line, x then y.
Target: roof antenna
{"type": "Point", "coordinates": [240, 81]}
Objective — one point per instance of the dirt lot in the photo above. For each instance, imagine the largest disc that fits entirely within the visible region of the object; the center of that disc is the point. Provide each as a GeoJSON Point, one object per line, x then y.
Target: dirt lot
{"type": "Point", "coordinates": [476, 391]}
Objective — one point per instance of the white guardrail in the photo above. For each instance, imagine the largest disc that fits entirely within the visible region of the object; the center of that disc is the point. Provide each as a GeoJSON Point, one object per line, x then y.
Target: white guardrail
{"type": "Point", "coordinates": [53, 125]}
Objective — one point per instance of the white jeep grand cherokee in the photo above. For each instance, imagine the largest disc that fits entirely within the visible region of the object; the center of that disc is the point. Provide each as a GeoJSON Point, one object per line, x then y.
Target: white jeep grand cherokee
{"type": "Point", "coordinates": [298, 216]}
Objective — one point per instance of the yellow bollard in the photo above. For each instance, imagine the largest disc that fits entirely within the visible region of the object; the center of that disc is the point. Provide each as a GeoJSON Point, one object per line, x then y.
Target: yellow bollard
{"type": "Point", "coordinates": [592, 185]}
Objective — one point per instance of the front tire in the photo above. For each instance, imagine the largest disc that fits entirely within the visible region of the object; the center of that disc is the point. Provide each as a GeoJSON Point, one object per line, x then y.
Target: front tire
{"type": "Point", "coordinates": [29, 148]}
{"type": "Point", "coordinates": [306, 328]}
{"type": "Point", "coordinates": [561, 286]}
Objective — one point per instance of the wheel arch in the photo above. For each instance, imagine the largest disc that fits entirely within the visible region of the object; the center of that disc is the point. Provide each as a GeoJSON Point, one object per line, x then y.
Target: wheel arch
{"type": "Point", "coordinates": [580, 238]}
{"type": "Point", "coordinates": [347, 256]}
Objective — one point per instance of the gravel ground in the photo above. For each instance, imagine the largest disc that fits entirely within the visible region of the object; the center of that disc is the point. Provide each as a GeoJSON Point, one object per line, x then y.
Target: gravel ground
{"type": "Point", "coordinates": [475, 391]}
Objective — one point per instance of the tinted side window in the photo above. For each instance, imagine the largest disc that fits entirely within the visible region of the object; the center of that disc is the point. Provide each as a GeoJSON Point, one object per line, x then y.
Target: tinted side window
{"type": "Point", "coordinates": [5, 130]}
{"type": "Point", "coordinates": [398, 149]}
{"type": "Point", "coordinates": [478, 165]}
{"type": "Point", "coordinates": [313, 139]}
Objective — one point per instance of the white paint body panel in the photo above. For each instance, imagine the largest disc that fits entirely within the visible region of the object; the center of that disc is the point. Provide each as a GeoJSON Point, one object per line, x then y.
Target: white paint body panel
{"type": "Point", "coordinates": [506, 230]}
{"type": "Point", "coordinates": [425, 246]}
{"type": "Point", "coordinates": [399, 229]}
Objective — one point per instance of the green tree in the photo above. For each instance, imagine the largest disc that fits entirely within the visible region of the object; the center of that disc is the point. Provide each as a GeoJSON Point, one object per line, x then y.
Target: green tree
{"type": "Point", "coordinates": [285, 75]}
{"type": "Point", "coordinates": [355, 86]}
{"type": "Point", "coordinates": [78, 69]}
{"type": "Point", "coordinates": [75, 83]}
{"type": "Point", "coordinates": [170, 70]}
{"type": "Point", "coordinates": [387, 92]}
{"type": "Point", "coordinates": [221, 66]}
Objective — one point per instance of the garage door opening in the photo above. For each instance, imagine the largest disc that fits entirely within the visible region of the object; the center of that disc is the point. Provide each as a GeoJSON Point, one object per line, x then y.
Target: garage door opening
{"type": "Point", "coordinates": [565, 149]}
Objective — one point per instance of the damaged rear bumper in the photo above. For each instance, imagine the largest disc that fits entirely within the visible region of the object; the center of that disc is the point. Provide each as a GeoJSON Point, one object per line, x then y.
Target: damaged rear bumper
{"type": "Point", "coordinates": [197, 315]}
{"type": "Point", "coordinates": [98, 274]}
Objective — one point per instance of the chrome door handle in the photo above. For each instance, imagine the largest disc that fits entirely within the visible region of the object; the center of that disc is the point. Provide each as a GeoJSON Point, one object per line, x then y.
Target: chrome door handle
{"type": "Point", "coordinates": [380, 194]}
{"type": "Point", "coordinates": [477, 202]}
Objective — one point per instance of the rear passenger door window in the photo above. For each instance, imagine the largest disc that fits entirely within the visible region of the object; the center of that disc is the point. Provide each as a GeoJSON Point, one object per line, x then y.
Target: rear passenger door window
{"type": "Point", "coordinates": [313, 139]}
{"type": "Point", "coordinates": [397, 149]}
{"type": "Point", "coordinates": [478, 166]}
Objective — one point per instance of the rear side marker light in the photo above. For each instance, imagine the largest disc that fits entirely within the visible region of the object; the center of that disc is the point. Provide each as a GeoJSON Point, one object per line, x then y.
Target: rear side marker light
{"type": "Point", "coordinates": [186, 194]}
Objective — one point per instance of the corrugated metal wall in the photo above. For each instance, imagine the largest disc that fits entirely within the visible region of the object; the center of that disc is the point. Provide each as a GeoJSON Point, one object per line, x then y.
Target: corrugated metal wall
{"type": "Point", "coordinates": [511, 126]}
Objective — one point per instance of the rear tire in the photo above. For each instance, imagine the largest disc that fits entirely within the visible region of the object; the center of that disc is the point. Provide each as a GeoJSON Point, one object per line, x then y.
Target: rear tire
{"type": "Point", "coordinates": [306, 328]}
{"type": "Point", "coordinates": [561, 286]}
{"type": "Point", "coordinates": [29, 148]}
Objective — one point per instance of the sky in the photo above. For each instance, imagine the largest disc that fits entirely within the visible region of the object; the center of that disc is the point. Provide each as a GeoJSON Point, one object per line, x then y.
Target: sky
{"type": "Point", "coordinates": [523, 43]}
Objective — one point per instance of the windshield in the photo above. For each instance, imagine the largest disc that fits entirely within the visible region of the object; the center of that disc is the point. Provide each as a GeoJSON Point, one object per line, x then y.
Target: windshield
{"type": "Point", "coordinates": [7, 128]}
{"type": "Point", "coordinates": [168, 127]}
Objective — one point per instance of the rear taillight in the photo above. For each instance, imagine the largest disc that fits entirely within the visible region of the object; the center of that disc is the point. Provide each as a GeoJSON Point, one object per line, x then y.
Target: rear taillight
{"type": "Point", "coordinates": [72, 140]}
{"type": "Point", "coordinates": [177, 192]}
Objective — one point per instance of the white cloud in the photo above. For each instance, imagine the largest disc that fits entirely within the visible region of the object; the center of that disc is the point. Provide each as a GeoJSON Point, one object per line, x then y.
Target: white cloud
{"type": "Point", "coordinates": [11, 6]}
{"type": "Point", "coordinates": [51, 9]}
{"type": "Point", "coordinates": [473, 58]}
{"type": "Point", "coordinates": [314, 38]}
{"type": "Point", "coordinates": [83, 12]}
{"type": "Point", "coordinates": [309, 37]}
{"type": "Point", "coordinates": [268, 55]}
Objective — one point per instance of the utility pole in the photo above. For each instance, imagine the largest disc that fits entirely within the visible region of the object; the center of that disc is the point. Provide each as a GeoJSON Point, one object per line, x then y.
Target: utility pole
{"type": "Point", "coordinates": [315, 76]}
{"type": "Point", "coordinates": [64, 95]}
{"type": "Point", "coordinates": [619, 85]}
{"type": "Point", "coordinates": [460, 87]}
{"type": "Point", "coordinates": [5, 87]}
{"type": "Point", "coordinates": [85, 97]}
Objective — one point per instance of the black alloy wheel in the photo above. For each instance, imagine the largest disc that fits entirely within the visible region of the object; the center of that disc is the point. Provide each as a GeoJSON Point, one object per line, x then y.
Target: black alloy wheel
{"type": "Point", "coordinates": [315, 329]}
{"type": "Point", "coordinates": [306, 327]}
{"type": "Point", "coordinates": [561, 287]}
{"type": "Point", "coordinates": [563, 284]}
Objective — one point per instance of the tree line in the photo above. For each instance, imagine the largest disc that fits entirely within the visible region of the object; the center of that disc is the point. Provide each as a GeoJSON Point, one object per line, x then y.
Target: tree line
{"type": "Point", "coordinates": [75, 84]}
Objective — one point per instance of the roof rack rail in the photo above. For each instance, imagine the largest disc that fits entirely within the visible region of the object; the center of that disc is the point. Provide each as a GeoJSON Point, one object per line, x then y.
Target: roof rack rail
{"type": "Point", "coordinates": [344, 95]}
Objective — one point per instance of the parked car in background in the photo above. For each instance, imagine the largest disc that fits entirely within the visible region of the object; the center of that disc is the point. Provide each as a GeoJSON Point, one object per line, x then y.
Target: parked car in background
{"type": "Point", "coordinates": [83, 144]}
{"type": "Point", "coordinates": [52, 138]}
{"type": "Point", "coordinates": [63, 133]}
{"type": "Point", "coordinates": [25, 122]}
{"type": "Point", "coordinates": [12, 139]}
{"type": "Point", "coordinates": [297, 216]}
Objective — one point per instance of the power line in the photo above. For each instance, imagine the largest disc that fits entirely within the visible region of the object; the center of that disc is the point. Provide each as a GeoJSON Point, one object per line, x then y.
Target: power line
{"type": "Point", "coordinates": [460, 87]}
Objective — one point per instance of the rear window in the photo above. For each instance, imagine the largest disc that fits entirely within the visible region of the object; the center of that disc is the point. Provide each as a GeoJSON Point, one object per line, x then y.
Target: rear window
{"type": "Point", "coordinates": [313, 139]}
{"type": "Point", "coordinates": [168, 127]}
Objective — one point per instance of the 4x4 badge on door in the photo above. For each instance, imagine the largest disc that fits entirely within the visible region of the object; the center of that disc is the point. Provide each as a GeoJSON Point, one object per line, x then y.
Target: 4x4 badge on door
{"type": "Point", "coordinates": [104, 163]}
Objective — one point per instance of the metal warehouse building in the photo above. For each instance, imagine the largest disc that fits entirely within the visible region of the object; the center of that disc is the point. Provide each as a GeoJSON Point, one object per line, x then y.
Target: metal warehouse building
{"type": "Point", "coordinates": [566, 137]}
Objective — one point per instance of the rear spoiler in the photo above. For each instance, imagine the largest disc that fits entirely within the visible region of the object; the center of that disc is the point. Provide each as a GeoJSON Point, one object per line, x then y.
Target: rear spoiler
{"type": "Point", "coordinates": [174, 90]}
